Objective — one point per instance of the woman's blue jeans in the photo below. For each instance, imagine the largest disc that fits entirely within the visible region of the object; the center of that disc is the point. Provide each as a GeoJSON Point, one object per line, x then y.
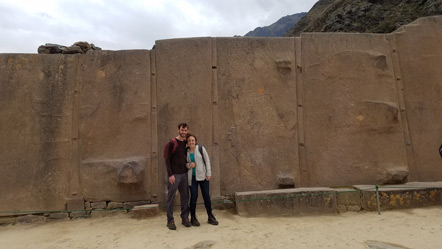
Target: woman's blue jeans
{"type": "Point", "coordinates": [204, 186]}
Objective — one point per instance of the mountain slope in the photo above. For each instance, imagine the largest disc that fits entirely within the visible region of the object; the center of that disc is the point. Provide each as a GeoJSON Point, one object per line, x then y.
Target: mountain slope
{"type": "Point", "coordinates": [364, 16]}
{"type": "Point", "coordinates": [278, 28]}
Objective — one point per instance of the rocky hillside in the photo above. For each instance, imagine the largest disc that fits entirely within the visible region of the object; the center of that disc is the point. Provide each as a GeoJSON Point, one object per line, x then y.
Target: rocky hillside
{"type": "Point", "coordinates": [279, 28]}
{"type": "Point", "coordinates": [364, 16]}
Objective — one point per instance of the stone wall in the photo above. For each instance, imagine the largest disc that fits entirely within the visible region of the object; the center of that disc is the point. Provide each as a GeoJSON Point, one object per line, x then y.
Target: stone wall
{"type": "Point", "coordinates": [321, 110]}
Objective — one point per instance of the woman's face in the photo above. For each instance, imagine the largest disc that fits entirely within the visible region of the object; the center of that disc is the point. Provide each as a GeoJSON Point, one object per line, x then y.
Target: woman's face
{"type": "Point", "coordinates": [191, 141]}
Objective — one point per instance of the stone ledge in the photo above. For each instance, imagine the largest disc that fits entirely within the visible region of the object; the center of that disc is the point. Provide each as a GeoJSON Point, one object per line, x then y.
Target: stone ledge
{"type": "Point", "coordinates": [409, 195]}
{"type": "Point", "coordinates": [286, 202]}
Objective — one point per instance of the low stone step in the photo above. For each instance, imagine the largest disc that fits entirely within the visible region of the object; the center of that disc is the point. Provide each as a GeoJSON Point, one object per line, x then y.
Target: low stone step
{"type": "Point", "coordinates": [286, 202]}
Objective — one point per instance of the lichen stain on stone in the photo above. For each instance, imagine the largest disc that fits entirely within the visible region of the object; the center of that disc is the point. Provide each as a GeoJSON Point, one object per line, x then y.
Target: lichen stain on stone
{"type": "Point", "coordinates": [101, 74]}
{"type": "Point", "coordinates": [327, 201]}
{"type": "Point", "coordinates": [432, 195]}
{"type": "Point", "coordinates": [394, 200]}
{"type": "Point", "coordinates": [417, 196]}
{"type": "Point", "coordinates": [10, 60]}
{"type": "Point", "coordinates": [360, 118]}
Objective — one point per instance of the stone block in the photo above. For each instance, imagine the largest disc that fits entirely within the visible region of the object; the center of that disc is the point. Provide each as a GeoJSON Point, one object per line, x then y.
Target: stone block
{"type": "Point", "coordinates": [257, 95]}
{"type": "Point", "coordinates": [30, 219]}
{"type": "Point", "coordinates": [410, 195]}
{"type": "Point", "coordinates": [75, 203]}
{"type": "Point", "coordinates": [36, 97]}
{"type": "Point", "coordinates": [145, 211]}
{"type": "Point", "coordinates": [352, 121]}
{"type": "Point", "coordinates": [123, 178]}
{"type": "Point", "coordinates": [131, 204]}
{"type": "Point", "coordinates": [59, 215]}
{"type": "Point", "coordinates": [421, 88]}
{"type": "Point", "coordinates": [87, 205]}
{"type": "Point", "coordinates": [286, 202]}
{"type": "Point", "coordinates": [98, 205]}
{"type": "Point", "coordinates": [113, 205]}
{"type": "Point", "coordinates": [348, 199]}
{"type": "Point", "coordinates": [7, 220]}
{"type": "Point", "coordinates": [106, 213]}
{"type": "Point", "coordinates": [115, 126]}
{"type": "Point", "coordinates": [76, 215]}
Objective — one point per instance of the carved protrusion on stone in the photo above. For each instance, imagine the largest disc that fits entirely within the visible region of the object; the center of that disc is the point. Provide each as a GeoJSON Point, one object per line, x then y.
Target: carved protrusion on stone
{"type": "Point", "coordinates": [130, 172]}
{"type": "Point", "coordinates": [284, 66]}
{"type": "Point", "coordinates": [397, 175]}
{"type": "Point", "coordinates": [286, 180]}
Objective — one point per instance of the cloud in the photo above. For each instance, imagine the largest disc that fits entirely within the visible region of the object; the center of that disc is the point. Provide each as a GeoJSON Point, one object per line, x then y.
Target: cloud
{"type": "Point", "coordinates": [135, 24]}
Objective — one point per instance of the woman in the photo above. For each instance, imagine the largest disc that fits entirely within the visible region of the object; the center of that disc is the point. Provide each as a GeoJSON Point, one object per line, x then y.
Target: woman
{"type": "Point", "coordinates": [199, 173]}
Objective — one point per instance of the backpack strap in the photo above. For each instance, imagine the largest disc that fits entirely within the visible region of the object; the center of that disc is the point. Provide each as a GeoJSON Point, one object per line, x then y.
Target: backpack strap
{"type": "Point", "coordinates": [200, 148]}
{"type": "Point", "coordinates": [175, 145]}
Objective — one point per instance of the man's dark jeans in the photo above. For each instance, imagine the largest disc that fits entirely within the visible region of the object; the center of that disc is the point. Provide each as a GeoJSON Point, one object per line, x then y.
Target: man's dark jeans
{"type": "Point", "coordinates": [180, 184]}
{"type": "Point", "coordinates": [204, 185]}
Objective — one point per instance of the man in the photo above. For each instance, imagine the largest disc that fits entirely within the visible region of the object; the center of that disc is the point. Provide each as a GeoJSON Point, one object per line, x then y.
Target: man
{"type": "Point", "coordinates": [177, 173]}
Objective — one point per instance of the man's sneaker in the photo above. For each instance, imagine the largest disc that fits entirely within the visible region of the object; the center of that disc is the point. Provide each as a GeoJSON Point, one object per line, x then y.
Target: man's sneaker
{"type": "Point", "coordinates": [194, 221]}
{"type": "Point", "coordinates": [171, 225]}
{"type": "Point", "coordinates": [212, 220]}
{"type": "Point", "coordinates": [186, 223]}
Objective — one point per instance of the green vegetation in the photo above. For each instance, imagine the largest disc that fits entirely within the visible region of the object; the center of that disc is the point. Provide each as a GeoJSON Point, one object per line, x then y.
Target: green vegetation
{"type": "Point", "coordinates": [364, 16]}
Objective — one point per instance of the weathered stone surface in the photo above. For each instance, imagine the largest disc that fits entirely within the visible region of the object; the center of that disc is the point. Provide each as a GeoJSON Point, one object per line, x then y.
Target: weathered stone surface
{"type": "Point", "coordinates": [7, 220]}
{"type": "Point", "coordinates": [395, 176]}
{"type": "Point", "coordinates": [410, 195]}
{"type": "Point", "coordinates": [30, 219]}
{"type": "Point", "coordinates": [106, 213]}
{"type": "Point", "coordinates": [131, 204]}
{"type": "Point", "coordinates": [59, 215]}
{"type": "Point", "coordinates": [319, 110]}
{"type": "Point", "coordinates": [112, 205]}
{"type": "Point", "coordinates": [184, 78]}
{"type": "Point", "coordinates": [145, 211]}
{"type": "Point", "coordinates": [98, 205]}
{"type": "Point", "coordinates": [422, 88]}
{"type": "Point", "coordinates": [348, 199]}
{"type": "Point", "coordinates": [116, 177]}
{"type": "Point", "coordinates": [87, 205]}
{"type": "Point", "coordinates": [258, 115]}
{"type": "Point", "coordinates": [286, 181]}
{"type": "Point", "coordinates": [283, 202]}
{"type": "Point", "coordinates": [35, 131]}
{"type": "Point", "coordinates": [115, 126]}
{"type": "Point", "coordinates": [75, 203]}
{"type": "Point", "coordinates": [81, 214]}
{"type": "Point", "coordinates": [77, 48]}
{"type": "Point", "coordinates": [353, 130]}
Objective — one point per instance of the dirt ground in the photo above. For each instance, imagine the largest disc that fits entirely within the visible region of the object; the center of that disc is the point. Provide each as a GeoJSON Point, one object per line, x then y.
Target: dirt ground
{"type": "Point", "coordinates": [413, 228]}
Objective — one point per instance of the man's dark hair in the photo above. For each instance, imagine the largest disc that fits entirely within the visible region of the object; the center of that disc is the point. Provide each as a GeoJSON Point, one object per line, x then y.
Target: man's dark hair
{"type": "Point", "coordinates": [183, 125]}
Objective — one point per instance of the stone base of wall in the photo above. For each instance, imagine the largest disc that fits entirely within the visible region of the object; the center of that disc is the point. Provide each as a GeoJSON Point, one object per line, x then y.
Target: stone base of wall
{"type": "Point", "coordinates": [327, 200]}
{"type": "Point", "coordinates": [285, 202]}
{"type": "Point", "coordinates": [280, 202]}
{"type": "Point", "coordinates": [410, 195]}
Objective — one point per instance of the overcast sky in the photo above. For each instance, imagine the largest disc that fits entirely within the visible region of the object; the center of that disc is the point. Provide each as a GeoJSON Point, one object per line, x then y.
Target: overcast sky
{"type": "Point", "coordinates": [132, 24]}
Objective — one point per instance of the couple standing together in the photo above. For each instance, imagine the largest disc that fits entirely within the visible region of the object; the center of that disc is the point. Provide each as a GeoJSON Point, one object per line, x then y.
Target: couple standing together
{"type": "Point", "coordinates": [187, 167]}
